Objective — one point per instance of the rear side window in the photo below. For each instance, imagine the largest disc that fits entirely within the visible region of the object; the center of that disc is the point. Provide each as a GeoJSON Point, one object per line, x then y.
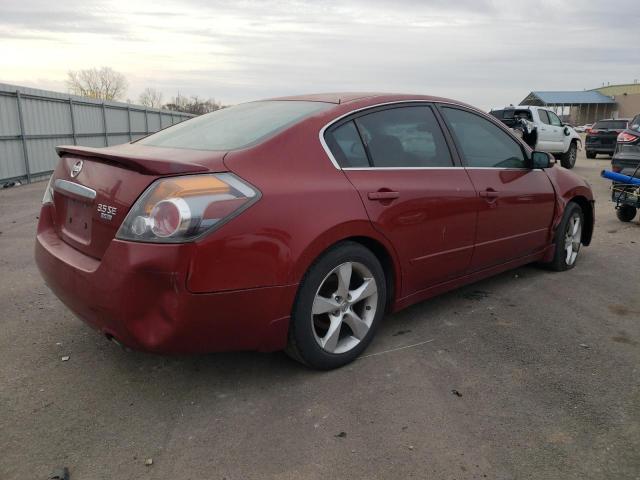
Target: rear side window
{"type": "Point", "coordinates": [482, 143]}
{"type": "Point", "coordinates": [635, 124]}
{"type": "Point", "coordinates": [235, 127]}
{"type": "Point", "coordinates": [346, 146]}
{"type": "Point", "coordinates": [404, 137]}
{"type": "Point", "coordinates": [544, 117]}
{"type": "Point", "coordinates": [611, 124]}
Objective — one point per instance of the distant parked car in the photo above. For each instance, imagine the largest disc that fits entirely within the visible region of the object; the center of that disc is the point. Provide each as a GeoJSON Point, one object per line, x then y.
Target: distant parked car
{"type": "Point", "coordinates": [542, 130]}
{"type": "Point", "coordinates": [601, 137]}
{"type": "Point", "coordinates": [583, 128]}
{"type": "Point", "coordinates": [626, 160]}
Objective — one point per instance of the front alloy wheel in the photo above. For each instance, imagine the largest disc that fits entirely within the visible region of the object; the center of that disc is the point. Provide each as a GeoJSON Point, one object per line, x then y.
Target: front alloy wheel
{"type": "Point", "coordinates": [572, 238]}
{"type": "Point", "coordinates": [568, 238]}
{"type": "Point", "coordinates": [340, 302]}
{"type": "Point", "coordinates": [568, 159]}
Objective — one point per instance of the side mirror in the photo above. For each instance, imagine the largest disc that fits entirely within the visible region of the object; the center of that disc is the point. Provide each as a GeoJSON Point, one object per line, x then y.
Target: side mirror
{"type": "Point", "coordinates": [542, 160]}
{"type": "Point", "coordinates": [567, 132]}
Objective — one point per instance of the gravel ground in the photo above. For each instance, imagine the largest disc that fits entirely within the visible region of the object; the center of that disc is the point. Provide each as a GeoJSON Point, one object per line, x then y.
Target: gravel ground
{"type": "Point", "coordinates": [530, 374]}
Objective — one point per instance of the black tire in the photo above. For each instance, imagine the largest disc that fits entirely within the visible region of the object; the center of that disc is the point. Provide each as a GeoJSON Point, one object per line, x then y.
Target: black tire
{"type": "Point", "coordinates": [559, 262]}
{"type": "Point", "coordinates": [303, 345]}
{"type": "Point", "coordinates": [591, 154]}
{"type": "Point", "coordinates": [568, 158]}
{"type": "Point", "coordinates": [626, 213]}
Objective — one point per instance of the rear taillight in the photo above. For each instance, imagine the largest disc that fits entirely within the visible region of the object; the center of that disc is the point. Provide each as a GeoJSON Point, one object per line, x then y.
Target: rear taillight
{"type": "Point", "coordinates": [180, 209]}
{"type": "Point", "coordinates": [626, 137]}
{"type": "Point", "coordinates": [589, 131]}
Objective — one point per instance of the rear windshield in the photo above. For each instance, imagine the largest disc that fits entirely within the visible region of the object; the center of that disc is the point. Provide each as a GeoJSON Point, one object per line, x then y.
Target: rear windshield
{"type": "Point", "coordinates": [611, 124]}
{"type": "Point", "coordinates": [510, 116]}
{"type": "Point", "coordinates": [234, 127]}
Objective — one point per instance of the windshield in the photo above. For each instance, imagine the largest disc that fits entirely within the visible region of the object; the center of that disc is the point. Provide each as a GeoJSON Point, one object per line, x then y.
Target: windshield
{"type": "Point", "coordinates": [234, 127]}
{"type": "Point", "coordinates": [611, 124]}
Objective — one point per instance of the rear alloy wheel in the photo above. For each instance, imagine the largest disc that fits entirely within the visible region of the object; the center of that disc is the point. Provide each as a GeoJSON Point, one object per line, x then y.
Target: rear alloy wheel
{"type": "Point", "coordinates": [591, 154]}
{"type": "Point", "coordinates": [626, 213]}
{"type": "Point", "coordinates": [339, 304]}
{"type": "Point", "coordinates": [568, 159]}
{"type": "Point", "coordinates": [568, 238]}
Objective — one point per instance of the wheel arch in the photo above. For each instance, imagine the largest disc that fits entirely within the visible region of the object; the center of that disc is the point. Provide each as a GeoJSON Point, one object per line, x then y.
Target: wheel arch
{"type": "Point", "coordinates": [577, 141]}
{"type": "Point", "coordinates": [368, 238]}
{"type": "Point", "coordinates": [589, 220]}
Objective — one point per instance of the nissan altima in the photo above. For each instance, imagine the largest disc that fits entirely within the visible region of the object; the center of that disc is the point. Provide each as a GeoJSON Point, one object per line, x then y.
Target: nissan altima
{"type": "Point", "coordinates": [297, 223]}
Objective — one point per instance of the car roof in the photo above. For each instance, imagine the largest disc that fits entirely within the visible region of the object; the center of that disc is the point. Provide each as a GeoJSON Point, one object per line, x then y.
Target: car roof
{"type": "Point", "coordinates": [522, 107]}
{"type": "Point", "coordinates": [614, 120]}
{"type": "Point", "coordinates": [340, 98]}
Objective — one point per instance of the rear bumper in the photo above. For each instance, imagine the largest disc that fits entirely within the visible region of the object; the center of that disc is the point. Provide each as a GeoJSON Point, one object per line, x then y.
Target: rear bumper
{"type": "Point", "coordinates": [599, 148]}
{"type": "Point", "coordinates": [137, 294]}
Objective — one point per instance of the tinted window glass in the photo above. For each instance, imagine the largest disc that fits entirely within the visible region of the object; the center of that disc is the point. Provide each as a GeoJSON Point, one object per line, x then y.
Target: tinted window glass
{"type": "Point", "coordinates": [555, 121]}
{"type": "Point", "coordinates": [234, 127]}
{"type": "Point", "coordinates": [502, 114]}
{"type": "Point", "coordinates": [404, 137]}
{"type": "Point", "coordinates": [346, 146]}
{"type": "Point", "coordinates": [544, 118]}
{"type": "Point", "coordinates": [611, 124]}
{"type": "Point", "coordinates": [482, 143]}
{"type": "Point", "coordinates": [635, 124]}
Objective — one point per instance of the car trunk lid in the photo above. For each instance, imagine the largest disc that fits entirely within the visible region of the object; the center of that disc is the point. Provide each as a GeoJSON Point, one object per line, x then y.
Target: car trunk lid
{"type": "Point", "coordinates": [94, 189]}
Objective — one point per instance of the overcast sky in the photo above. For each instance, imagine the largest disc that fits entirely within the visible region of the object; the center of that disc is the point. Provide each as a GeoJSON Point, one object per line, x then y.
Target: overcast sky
{"type": "Point", "coordinates": [488, 53]}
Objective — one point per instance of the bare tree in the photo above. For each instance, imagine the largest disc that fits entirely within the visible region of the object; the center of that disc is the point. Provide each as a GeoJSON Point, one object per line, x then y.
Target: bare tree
{"type": "Point", "coordinates": [102, 83]}
{"type": "Point", "coordinates": [193, 105]}
{"type": "Point", "coordinates": [150, 97]}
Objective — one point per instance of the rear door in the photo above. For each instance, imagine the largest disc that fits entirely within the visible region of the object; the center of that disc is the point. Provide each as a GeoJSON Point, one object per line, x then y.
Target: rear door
{"type": "Point", "coordinates": [399, 161]}
{"type": "Point", "coordinates": [516, 204]}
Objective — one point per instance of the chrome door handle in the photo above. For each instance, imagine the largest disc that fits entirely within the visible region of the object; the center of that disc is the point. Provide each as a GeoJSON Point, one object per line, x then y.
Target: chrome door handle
{"type": "Point", "coordinates": [489, 194]}
{"type": "Point", "coordinates": [383, 195]}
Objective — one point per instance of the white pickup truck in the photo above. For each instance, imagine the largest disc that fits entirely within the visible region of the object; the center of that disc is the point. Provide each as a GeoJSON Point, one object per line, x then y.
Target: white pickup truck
{"type": "Point", "coordinates": [542, 130]}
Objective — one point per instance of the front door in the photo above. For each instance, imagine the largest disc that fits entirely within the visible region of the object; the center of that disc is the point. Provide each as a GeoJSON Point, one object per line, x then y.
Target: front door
{"type": "Point", "coordinates": [557, 130]}
{"type": "Point", "coordinates": [517, 203]}
{"type": "Point", "coordinates": [398, 160]}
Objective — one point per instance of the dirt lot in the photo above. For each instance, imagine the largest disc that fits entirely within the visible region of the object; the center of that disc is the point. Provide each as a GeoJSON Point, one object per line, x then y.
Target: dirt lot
{"type": "Point", "coordinates": [531, 374]}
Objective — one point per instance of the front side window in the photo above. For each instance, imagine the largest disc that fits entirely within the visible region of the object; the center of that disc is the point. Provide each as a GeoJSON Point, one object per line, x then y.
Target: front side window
{"type": "Point", "coordinates": [235, 127]}
{"type": "Point", "coordinates": [481, 143]}
{"type": "Point", "coordinates": [544, 117]}
{"type": "Point", "coordinates": [555, 121]}
{"type": "Point", "coordinates": [404, 137]}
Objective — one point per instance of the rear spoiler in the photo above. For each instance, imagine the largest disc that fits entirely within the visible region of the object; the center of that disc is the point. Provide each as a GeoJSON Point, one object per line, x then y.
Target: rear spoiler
{"type": "Point", "coordinates": [137, 158]}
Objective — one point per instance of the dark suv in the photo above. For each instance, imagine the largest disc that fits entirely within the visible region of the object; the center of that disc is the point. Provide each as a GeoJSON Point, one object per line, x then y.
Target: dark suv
{"type": "Point", "coordinates": [601, 137]}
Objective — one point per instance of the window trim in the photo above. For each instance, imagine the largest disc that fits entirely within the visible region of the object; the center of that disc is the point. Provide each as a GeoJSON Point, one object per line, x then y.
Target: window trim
{"type": "Point", "coordinates": [549, 113]}
{"type": "Point", "coordinates": [498, 124]}
{"type": "Point", "coordinates": [546, 112]}
{"type": "Point", "coordinates": [458, 160]}
{"type": "Point", "coordinates": [353, 114]}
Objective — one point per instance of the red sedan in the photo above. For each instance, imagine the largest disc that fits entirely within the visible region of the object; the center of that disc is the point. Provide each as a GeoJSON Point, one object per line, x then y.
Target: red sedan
{"type": "Point", "coordinates": [296, 223]}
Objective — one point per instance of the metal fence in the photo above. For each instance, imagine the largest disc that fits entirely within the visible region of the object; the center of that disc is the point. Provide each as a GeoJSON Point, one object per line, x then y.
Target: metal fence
{"type": "Point", "coordinates": [33, 122]}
